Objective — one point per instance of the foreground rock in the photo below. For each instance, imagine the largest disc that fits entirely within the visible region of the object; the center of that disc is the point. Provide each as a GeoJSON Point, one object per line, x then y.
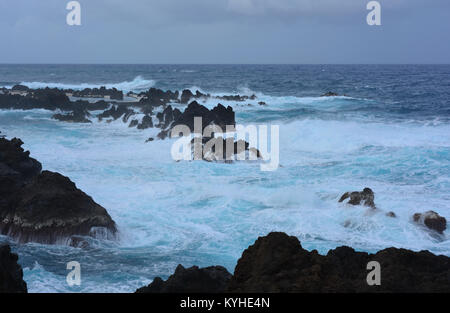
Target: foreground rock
{"type": "Point", "coordinates": [432, 220]}
{"type": "Point", "coordinates": [11, 274]}
{"type": "Point", "coordinates": [213, 279]}
{"type": "Point", "coordinates": [365, 197]}
{"type": "Point", "coordinates": [44, 207]}
{"type": "Point", "coordinates": [278, 263]}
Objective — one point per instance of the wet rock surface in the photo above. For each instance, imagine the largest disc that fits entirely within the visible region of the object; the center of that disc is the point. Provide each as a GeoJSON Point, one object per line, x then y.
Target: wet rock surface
{"type": "Point", "coordinates": [213, 279]}
{"type": "Point", "coordinates": [432, 220]}
{"type": "Point", "coordinates": [365, 197]}
{"type": "Point", "coordinates": [44, 207]}
{"type": "Point", "coordinates": [11, 274]}
{"type": "Point", "coordinates": [278, 263]}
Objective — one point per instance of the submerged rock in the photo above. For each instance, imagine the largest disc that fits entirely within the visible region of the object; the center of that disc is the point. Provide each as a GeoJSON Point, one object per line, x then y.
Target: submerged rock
{"type": "Point", "coordinates": [432, 220]}
{"type": "Point", "coordinates": [213, 279]}
{"type": "Point", "coordinates": [43, 206]}
{"type": "Point", "coordinates": [11, 274]}
{"type": "Point", "coordinates": [365, 197]}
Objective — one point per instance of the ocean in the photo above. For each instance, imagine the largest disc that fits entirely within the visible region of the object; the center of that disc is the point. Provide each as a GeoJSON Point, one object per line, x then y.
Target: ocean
{"type": "Point", "coordinates": [390, 132]}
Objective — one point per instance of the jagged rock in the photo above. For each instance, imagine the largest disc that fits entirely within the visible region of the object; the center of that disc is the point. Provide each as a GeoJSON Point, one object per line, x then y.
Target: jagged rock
{"type": "Point", "coordinates": [78, 115]}
{"type": "Point", "coordinates": [115, 112]}
{"type": "Point", "coordinates": [44, 206]}
{"type": "Point", "coordinates": [356, 197]}
{"type": "Point", "coordinates": [101, 92]}
{"type": "Point", "coordinates": [432, 220]}
{"type": "Point", "coordinates": [163, 134]}
{"type": "Point", "coordinates": [146, 122]}
{"type": "Point", "coordinates": [236, 98]}
{"type": "Point", "coordinates": [133, 123]}
{"type": "Point", "coordinates": [186, 95]}
{"type": "Point", "coordinates": [219, 116]}
{"type": "Point", "coordinates": [11, 274]}
{"type": "Point", "coordinates": [262, 103]}
{"type": "Point", "coordinates": [49, 99]}
{"type": "Point", "coordinates": [210, 154]}
{"type": "Point", "coordinates": [157, 97]}
{"type": "Point", "coordinates": [278, 263]}
{"type": "Point", "coordinates": [213, 279]}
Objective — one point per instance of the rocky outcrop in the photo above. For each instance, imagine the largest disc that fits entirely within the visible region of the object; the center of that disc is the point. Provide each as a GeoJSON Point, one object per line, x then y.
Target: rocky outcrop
{"type": "Point", "coordinates": [146, 122]}
{"type": "Point", "coordinates": [78, 115]}
{"type": "Point", "coordinates": [101, 92]}
{"type": "Point", "coordinates": [157, 97]}
{"type": "Point", "coordinates": [213, 279]}
{"type": "Point", "coordinates": [49, 99]}
{"type": "Point", "coordinates": [216, 149]}
{"type": "Point", "coordinates": [219, 116]}
{"type": "Point", "coordinates": [116, 112]}
{"type": "Point", "coordinates": [432, 220]}
{"type": "Point", "coordinates": [44, 206]}
{"type": "Point", "coordinates": [11, 274]}
{"type": "Point", "coordinates": [278, 263]}
{"type": "Point", "coordinates": [365, 197]}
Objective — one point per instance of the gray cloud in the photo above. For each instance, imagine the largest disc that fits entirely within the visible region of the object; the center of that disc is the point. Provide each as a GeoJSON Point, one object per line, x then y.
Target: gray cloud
{"type": "Point", "coordinates": [224, 31]}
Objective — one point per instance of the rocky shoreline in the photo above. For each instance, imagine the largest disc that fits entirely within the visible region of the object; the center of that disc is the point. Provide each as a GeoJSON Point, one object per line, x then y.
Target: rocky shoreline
{"type": "Point", "coordinates": [277, 263]}
{"type": "Point", "coordinates": [43, 206]}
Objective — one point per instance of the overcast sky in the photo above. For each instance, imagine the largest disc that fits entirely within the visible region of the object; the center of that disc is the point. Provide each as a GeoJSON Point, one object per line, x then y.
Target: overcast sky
{"type": "Point", "coordinates": [224, 31]}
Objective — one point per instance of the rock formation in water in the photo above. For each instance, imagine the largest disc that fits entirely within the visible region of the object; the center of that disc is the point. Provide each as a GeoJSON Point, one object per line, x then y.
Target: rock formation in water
{"type": "Point", "coordinates": [432, 220]}
{"type": "Point", "coordinates": [44, 207]}
{"type": "Point", "coordinates": [365, 197]}
{"type": "Point", "coordinates": [211, 279]}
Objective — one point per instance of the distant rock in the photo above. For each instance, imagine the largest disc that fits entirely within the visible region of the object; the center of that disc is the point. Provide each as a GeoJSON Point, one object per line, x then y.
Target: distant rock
{"type": "Point", "coordinates": [219, 116]}
{"type": "Point", "coordinates": [78, 115]}
{"type": "Point", "coordinates": [365, 197]}
{"type": "Point", "coordinates": [44, 207]}
{"type": "Point", "coordinates": [213, 279]}
{"type": "Point", "coordinates": [391, 214]}
{"type": "Point", "coordinates": [101, 92]}
{"type": "Point", "coordinates": [186, 95]}
{"type": "Point", "coordinates": [432, 220]}
{"type": "Point", "coordinates": [20, 88]}
{"type": "Point", "coordinates": [330, 94]}
{"type": "Point", "coordinates": [11, 274]}
{"type": "Point", "coordinates": [146, 122]}
{"type": "Point", "coordinates": [157, 97]}
{"type": "Point", "coordinates": [115, 112]}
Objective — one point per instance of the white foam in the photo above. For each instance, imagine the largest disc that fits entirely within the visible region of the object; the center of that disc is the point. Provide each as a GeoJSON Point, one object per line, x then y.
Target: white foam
{"type": "Point", "coordinates": [137, 84]}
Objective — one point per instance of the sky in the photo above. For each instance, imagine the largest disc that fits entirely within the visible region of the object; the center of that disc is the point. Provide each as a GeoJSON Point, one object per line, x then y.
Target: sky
{"type": "Point", "coordinates": [225, 31]}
